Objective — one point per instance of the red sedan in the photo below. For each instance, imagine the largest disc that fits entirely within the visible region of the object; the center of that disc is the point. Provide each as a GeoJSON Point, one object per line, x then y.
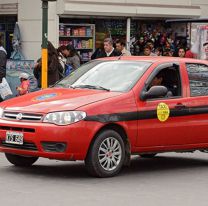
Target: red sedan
{"type": "Point", "coordinates": [109, 109]}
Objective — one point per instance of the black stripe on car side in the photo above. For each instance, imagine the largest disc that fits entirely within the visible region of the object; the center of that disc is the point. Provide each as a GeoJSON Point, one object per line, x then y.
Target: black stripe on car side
{"type": "Point", "coordinates": [141, 115]}
{"type": "Point", "coordinates": [116, 117]}
{"type": "Point", "coordinates": [188, 111]}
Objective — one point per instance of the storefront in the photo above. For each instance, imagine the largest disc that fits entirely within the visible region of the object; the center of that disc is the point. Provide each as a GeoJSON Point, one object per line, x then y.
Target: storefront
{"type": "Point", "coordinates": [8, 18]}
{"type": "Point", "coordinates": [7, 23]}
{"type": "Point", "coordinates": [89, 22]}
{"type": "Point", "coordinates": [129, 20]}
{"type": "Point", "coordinates": [87, 34]}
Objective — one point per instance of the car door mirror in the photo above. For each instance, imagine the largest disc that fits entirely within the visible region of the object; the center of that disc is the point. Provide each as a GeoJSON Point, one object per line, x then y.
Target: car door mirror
{"type": "Point", "coordinates": [154, 92]}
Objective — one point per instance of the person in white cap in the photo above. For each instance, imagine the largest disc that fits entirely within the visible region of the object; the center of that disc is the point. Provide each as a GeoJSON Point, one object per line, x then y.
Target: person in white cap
{"type": "Point", "coordinates": [25, 84]}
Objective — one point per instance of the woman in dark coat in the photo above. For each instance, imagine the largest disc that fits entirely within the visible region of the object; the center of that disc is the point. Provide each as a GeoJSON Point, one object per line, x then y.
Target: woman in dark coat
{"type": "Point", "coordinates": [73, 58]}
{"type": "Point", "coordinates": [54, 67]}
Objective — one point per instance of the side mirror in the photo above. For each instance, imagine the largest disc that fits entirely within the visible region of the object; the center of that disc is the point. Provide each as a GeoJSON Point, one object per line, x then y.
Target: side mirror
{"type": "Point", "coordinates": [154, 92]}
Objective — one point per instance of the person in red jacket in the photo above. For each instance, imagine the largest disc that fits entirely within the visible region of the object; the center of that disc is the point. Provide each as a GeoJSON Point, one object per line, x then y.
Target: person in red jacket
{"type": "Point", "coordinates": [25, 84]}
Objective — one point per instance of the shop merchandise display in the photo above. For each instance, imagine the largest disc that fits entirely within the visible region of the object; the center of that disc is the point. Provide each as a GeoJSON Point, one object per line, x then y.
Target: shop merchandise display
{"type": "Point", "coordinates": [166, 38]}
{"type": "Point", "coordinates": [81, 36]}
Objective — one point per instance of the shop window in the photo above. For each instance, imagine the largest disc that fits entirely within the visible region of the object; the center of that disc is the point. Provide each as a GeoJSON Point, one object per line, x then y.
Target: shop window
{"type": "Point", "coordinates": [10, 27]}
{"type": "Point", "coordinates": [7, 24]}
{"type": "Point", "coordinates": [2, 27]}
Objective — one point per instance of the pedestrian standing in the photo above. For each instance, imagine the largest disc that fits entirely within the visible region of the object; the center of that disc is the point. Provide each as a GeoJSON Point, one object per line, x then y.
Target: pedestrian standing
{"type": "Point", "coordinates": [73, 58]}
{"type": "Point", "coordinates": [97, 53]}
{"type": "Point", "coordinates": [205, 51]}
{"type": "Point", "coordinates": [190, 54]}
{"type": "Point", "coordinates": [3, 61]}
{"type": "Point", "coordinates": [121, 47]}
{"type": "Point", "coordinates": [62, 55]}
{"type": "Point", "coordinates": [54, 67]}
{"type": "Point", "coordinates": [159, 51]}
{"type": "Point", "coordinates": [181, 52]}
{"type": "Point", "coordinates": [109, 50]}
{"type": "Point", "coordinates": [37, 72]}
{"type": "Point", "coordinates": [147, 51]}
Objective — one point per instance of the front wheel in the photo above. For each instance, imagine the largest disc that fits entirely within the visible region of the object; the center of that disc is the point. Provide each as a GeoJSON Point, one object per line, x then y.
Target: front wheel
{"type": "Point", "coordinates": [20, 161]}
{"type": "Point", "coordinates": [106, 155]}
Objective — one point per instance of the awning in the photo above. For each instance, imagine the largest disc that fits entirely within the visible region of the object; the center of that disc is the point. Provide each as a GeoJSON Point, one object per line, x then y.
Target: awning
{"type": "Point", "coordinates": [199, 20]}
{"type": "Point", "coordinates": [9, 8]}
{"type": "Point", "coordinates": [67, 7]}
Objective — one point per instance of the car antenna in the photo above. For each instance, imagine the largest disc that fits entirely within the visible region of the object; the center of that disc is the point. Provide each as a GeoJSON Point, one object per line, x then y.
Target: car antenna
{"type": "Point", "coordinates": [120, 56]}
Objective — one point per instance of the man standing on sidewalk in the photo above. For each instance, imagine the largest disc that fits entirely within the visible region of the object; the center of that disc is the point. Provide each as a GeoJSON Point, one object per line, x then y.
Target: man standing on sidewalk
{"type": "Point", "coordinates": [120, 46]}
{"type": "Point", "coordinates": [3, 60]}
{"type": "Point", "coordinates": [109, 50]}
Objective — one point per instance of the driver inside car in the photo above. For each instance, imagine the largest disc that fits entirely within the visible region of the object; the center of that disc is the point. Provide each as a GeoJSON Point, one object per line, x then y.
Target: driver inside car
{"type": "Point", "coordinates": [158, 81]}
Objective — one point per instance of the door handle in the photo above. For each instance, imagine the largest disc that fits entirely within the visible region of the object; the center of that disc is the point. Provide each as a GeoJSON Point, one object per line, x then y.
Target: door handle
{"type": "Point", "coordinates": [180, 106]}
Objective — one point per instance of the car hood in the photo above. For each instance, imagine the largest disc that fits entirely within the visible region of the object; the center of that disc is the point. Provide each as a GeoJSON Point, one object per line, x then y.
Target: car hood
{"type": "Point", "coordinates": [56, 99]}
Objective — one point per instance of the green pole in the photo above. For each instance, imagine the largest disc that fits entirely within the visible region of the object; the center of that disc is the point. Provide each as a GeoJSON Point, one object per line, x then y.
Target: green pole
{"type": "Point", "coordinates": [45, 24]}
{"type": "Point", "coordinates": [44, 80]}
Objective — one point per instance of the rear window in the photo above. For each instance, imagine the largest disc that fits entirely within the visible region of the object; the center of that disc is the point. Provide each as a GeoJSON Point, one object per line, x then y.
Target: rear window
{"type": "Point", "coordinates": [198, 79]}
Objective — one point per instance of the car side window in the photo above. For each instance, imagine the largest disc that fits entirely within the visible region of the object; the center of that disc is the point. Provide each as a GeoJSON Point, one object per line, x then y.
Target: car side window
{"type": "Point", "coordinates": [170, 78]}
{"type": "Point", "coordinates": [198, 79]}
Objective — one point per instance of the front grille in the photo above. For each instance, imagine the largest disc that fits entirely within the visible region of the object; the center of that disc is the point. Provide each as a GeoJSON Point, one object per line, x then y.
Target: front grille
{"type": "Point", "coordinates": [19, 129]}
{"type": "Point", "coordinates": [21, 116]}
{"type": "Point", "coordinates": [25, 146]}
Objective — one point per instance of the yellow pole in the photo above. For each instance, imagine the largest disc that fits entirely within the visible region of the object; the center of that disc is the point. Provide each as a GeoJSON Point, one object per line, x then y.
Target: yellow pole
{"type": "Point", "coordinates": [44, 69]}
{"type": "Point", "coordinates": [44, 79]}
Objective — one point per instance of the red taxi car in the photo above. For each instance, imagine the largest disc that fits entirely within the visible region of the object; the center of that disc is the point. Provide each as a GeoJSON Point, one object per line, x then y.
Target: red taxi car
{"type": "Point", "coordinates": [109, 109]}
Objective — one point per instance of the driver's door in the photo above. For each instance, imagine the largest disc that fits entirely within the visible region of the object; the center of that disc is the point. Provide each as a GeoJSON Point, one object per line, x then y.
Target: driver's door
{"type": "Point", "coordinates": [160, 121]}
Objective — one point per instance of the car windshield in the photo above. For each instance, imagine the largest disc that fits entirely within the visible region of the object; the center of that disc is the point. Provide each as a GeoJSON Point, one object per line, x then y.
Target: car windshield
{"type": "Point", "coordinates": [119, 76]}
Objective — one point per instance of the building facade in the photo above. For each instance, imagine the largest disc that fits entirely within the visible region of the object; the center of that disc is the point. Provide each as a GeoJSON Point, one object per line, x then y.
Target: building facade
{"type": "Point", "coordinates": [124, 15]}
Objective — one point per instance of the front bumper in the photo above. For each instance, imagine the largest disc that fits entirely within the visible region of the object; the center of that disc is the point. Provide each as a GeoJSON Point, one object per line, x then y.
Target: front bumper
{"type": "Point", "coordinates": [77, 138]}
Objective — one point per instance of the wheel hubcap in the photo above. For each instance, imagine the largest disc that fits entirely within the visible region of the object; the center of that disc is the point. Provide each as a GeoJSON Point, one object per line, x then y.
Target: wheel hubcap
{"type": "Point", "coordinates": [110, 153]}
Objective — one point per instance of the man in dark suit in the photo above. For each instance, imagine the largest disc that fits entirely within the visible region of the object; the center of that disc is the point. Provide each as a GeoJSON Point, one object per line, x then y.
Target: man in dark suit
{"type": "Point", "coordinates": [109, 50]}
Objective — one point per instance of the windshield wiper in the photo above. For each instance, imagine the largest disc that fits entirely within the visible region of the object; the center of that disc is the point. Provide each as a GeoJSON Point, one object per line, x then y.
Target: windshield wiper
{"type": "Point", "coordinates": [64, 86]}
{"type": "Point", "coordinates": [90, 87]}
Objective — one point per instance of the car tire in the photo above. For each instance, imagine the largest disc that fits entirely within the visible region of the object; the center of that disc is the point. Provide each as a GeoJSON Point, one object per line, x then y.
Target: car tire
{"type": "Point", "coordinates": [150, 155]}
{"type": "Point", "coordinates": [20, 161]}
{"type": "Point", "coordinates": [106, 155]}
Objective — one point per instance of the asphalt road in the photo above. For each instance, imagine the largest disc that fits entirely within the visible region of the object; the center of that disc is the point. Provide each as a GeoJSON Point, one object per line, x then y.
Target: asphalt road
{"type": "Point", "coordinates": [167, 180]}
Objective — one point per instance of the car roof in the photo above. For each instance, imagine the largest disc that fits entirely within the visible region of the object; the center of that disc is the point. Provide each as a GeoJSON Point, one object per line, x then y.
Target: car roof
{"type": "Point", "coordinates": [155, 59]}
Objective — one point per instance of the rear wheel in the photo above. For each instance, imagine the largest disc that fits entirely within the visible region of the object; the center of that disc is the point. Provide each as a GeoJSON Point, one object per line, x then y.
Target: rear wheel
{"type": "Point", "coordinates": [20, 161]}
{"type": "Point", "coordinates": [150, 155]}
{"type": "Point", "coordinates": [106, 155]}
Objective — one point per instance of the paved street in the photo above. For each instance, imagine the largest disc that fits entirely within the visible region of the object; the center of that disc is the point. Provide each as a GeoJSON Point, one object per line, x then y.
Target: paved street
{"type": "Point", "coordinates": [169, 179]}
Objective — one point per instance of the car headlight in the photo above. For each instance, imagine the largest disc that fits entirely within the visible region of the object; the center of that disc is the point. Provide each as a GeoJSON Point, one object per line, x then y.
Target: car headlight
{"type": "Point", "coordinates": [64, 118]}
{"type": "Point", "coordinates": [1, 112]}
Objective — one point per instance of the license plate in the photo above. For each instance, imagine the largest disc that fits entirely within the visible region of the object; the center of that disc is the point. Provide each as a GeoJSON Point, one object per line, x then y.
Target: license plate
{"type": "Point", "coordinates": [14, 138]}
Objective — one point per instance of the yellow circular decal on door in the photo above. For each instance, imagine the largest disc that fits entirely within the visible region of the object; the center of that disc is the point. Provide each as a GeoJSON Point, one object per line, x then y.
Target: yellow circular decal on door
{"type": "Point", "coordinates": [163, 112]}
